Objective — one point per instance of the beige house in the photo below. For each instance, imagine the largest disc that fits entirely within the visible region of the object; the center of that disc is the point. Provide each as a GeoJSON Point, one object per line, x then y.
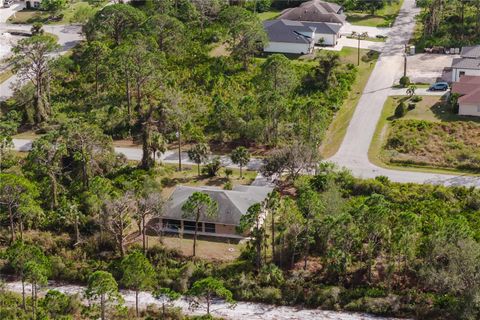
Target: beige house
{"type": "Point", "coordinates": [468, 87]}
{"type": "Point", "coordinates": [232, 204]}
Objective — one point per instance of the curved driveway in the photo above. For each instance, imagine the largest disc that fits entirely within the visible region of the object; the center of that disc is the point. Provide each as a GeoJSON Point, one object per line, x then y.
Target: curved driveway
{"type": "Point", "coordinates": [353, 153]}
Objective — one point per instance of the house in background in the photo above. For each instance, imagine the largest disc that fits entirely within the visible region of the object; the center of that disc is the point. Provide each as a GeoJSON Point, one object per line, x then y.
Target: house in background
{"type": "Point", "coordinates": [289, 37]}
{"type": "Point", "coordinates": [468, 87]}
{"type": "Point", "coordinates": [468, 64]}
{"type": "Point", "coordinates": [232, 205]}
{"type": "Point", "coordinates": [315, 11]}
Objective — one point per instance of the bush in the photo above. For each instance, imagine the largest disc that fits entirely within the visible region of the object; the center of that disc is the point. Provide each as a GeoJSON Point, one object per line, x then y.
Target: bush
{"type": "Point", "coordinates": [228, 172]}
{"type": "Point", "coordinates": [228, 185]}
{"type": "Point", "coordinates": [416, 99]}
{"type": "Point", "coordinates": [411, 106]}
{"type": "Point", "coordinates": [404, 81]}
{"type": "Point", "coordinates": [401, 110]}
{"type": "Point", "coordinates": [212, 168]}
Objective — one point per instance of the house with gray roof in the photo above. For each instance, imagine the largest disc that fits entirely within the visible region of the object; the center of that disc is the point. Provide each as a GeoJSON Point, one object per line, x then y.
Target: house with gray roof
{"type": "Point", "coordinates": [468, 64]}
{"type": "Point", "coordinates": [287, 36]}
{"type": "Point", "coordinates": [232, 205]}
{"type": "Point", "coordinates": [315, 11]}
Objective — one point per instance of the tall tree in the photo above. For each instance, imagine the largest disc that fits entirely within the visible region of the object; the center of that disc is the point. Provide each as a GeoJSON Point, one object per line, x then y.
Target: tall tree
{"type": "Point", "coordinates": [138, 274]}
{"type": "Point", "coordinates": [199, 154]}
{"type": "Point", "coordinates": [150, 203]}
{"type": "Point", "coordinates": [199, 206]}
{"type": "Point", "coordinates": [102, 286]}
{"type": "Point", "coordinates": [113, 23]}
{"type": "Point", "coordinates": [18, 199]}
{"type": "Point", "coordinates": [208, 289]}
{"type": "Point", "coordinates": [118, 214]}
{"type": "Point", "coordinates": [165, 296]}
{"type": "Point", "coordinates": [240, 156]}
{"type": "Point", "coordinates": [252, 223]}
{"type": "Point", "coordinates": [32, 57]}
{"type": "Point", "coordinates": [45, 161]}
{"type": "Point", "coordinates": [37, 274]}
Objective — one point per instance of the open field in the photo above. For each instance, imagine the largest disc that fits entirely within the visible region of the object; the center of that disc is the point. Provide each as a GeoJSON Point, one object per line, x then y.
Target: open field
{"type": "Point", "coordinates": [337, 129]}
{"type": "Point", "coordinates": [430, 136]}
{"type": "Point", "coordinates": [382, 18]}
{"type": "Point", "coordinates": [268, 15]}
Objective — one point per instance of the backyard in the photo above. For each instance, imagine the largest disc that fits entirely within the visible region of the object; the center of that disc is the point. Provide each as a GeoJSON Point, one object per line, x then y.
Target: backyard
{"type": "Point", "coordinates": [428, 136]}
{"type": "Point", "coordinates": [381, 18]}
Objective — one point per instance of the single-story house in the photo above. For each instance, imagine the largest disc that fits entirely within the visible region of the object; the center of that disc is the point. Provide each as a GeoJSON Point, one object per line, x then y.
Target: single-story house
{"type": "Point", "coordinates": [315, 11]}
{"type": "Point", "coordinates": [33, 4]}
{"type": "Point", "coordinates": [468, 64]}
{"type": "Point", "coordinates": [286, 36]}
{"type": "Point", "coordinates": [468, 87]}
{"type": "Point", "coordinates": [232, 205]}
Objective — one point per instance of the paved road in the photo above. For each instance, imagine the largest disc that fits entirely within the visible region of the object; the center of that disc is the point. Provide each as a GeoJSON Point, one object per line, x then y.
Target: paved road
{"type": "Point", "coordinates": [68, 37]}
{"type": "Point", "coordinates": [353, 153]}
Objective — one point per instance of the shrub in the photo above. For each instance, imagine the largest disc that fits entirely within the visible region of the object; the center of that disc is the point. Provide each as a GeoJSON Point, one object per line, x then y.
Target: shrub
{"type": "Point", "coordinates": [212, 168]}
{"type": "Point", "coordinates": [401, 110]}
{"type": "Point", "coordinates": [228, 172]}
{"type": "Point", "coordinates": [228, 185]}
{"type": "Point", "coordinates": [416, 99]}
{"type": "Point", "coordinates": [404, 81]}
{"type": "Point", "coordinates": [411, 106]}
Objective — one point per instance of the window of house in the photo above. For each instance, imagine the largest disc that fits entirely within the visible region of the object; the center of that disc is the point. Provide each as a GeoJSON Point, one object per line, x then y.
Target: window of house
{"type": "Point", "coordinates": [462, 73]}
{"type": "Point", "coordinates": [190, 226]}
{"type": "Point", "coordinates": [171, 224]}
{"type": "Point", "coordinates": [210, 227]}
{"type": "Point", "coordinates": [36, 4]}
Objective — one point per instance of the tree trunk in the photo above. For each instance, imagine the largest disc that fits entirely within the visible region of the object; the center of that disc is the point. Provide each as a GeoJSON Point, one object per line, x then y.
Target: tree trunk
{"type": "Point", "coordinates": [54, 203]}
{"type": "Point", "coordinates": [144, 238]}
{"type": "Point", "coordinates": [198, 168]}
{"type": "Point", "coordinates": [195, 235]}
{"type": "Point", "coordinates": [33, 300]}
{"type": "Point", "coordinates": [129, 99]}
{"type": "Point", "coordinates": [24, 305]}
{"type": "Point", "coordinates": [208, 303]}
{"type": "Point", "coordinates": [12, 224]}
{"type": "Point", "coordinates": [241, 175]}
{"type": "Point", "coordinates": [77, 229]}
{"type": "Point", "coordinates": [136, 303]}
{"type": "Point", "coordinates": [273, 235]}
{"type": "Point", "coordinates": [102, 307]}
{"type": "Point", "coordinates": [179, 149]}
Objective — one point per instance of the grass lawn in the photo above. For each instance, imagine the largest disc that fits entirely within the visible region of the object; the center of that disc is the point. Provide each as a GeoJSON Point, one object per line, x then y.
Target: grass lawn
{"type": "Point", "coordinates": [65, 16]}
{"type": "Point", "coordinates": [5, 75]}
{"type": "Point", "coordinates": [208, 250]}
{"type": "Point", "coordinates": [268, 15]}
{"type": "Point", "coordinates": [337, 129]}
{"type": "Point", "coordinates": [437, 115]}
{"type": "Point", "coordinates": [382, 18]}
{"type": "Point", "coordinates": [189, 176]}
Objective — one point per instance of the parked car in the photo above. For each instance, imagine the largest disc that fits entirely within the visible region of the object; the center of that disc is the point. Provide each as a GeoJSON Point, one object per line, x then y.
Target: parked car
{"type": "Point", "coordinates": [7, 3]}
{"type": "Point", "coordinates": [439, 86]}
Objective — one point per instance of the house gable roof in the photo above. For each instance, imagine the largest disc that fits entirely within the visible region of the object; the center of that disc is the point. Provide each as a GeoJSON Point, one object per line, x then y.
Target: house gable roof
{"type": "Point", "coordinates": [288, 31]}
{"type": "Point", "coordinates": [315, 11]}
{"type": "Point", "coordinates": [232, 204]}
{"type": "Point", "coordinates": [469, 89]}
{"type": "Point", "coordinates": [466, 63]}
{"type": "Point", "coordinates": [472, 52]}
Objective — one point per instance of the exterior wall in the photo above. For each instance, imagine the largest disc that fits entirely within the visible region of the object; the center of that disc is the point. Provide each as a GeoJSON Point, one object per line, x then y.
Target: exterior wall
{"type": "Point", "coordinates": [468, 72]}
{"type": "Point", "coordinates": [328, 39]}
{"type": "Point", "coordinates": [469, 109]}
{"type": "Point", "coordinates": [283, 47]}
{"type": "Point", "coordinates": [225, 229]}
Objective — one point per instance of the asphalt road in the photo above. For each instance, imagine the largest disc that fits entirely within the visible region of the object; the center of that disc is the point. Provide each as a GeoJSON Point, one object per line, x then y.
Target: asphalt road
{"type": "Point", "coordinates": [353, 152]}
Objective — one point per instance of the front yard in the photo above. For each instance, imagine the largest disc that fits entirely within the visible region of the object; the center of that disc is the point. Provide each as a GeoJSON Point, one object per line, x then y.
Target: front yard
{"type": "Point", "coordinates": [382, 18]}
{"type": "Point", "coordinates": [429, 136]}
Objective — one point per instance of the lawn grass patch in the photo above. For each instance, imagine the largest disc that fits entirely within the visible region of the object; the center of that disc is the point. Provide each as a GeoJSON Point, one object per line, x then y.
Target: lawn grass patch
{"type": "Point", "coordinates": [430, 137]}
{"type": "Point", "coordinates": [338, 128]}
{"type": "Point", "coordinates": [268, 15]}
{"type": "Point", "coordinates": [382, 18]}
{"type": "Point", "coordinates": [5, 75]}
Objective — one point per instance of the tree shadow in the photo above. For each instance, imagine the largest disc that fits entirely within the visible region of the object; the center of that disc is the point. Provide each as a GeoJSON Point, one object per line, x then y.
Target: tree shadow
{"type": "Point", "coordinates": [444, 112]}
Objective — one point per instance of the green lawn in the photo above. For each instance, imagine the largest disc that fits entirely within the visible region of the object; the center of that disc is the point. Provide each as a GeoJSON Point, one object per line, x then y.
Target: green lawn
{"type": "Point", "coordinates": [268, 15]}
{"type": "Point", "coordinates": [337, 129]}
{"type": "Point", "coordinates": [382, 18]}
{"type": "Point", "coordinates": [432, 109]}
{"type": "Point", "coordinates": [76, 10]}
{"type": "Point", "coordinates": [5, 75]}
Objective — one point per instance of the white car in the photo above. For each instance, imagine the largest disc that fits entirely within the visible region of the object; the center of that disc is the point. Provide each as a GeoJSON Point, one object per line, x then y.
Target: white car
{"type": "Point", "coordinates": [7, 3]}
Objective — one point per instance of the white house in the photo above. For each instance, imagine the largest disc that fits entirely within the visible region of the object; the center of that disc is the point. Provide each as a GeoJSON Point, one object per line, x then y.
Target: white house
{"type": "Point", "coordinates": [468, 87]}
{"type": "Point", "coordinates": [468, 64]}
{"type": "Point", "coordinates": [287, 36]}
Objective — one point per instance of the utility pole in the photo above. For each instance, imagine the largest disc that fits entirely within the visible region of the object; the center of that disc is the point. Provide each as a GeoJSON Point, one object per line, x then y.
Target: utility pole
{"type": "Point", "coordinates": [359, 36]}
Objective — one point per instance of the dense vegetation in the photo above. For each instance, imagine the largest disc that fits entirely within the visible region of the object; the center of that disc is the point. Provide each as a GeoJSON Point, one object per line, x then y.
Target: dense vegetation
{"type": "Point", "coordinates": [73, 210]}
{"type": "Point", "coordinates": [442, 19]}
{"type": "Point", "coordinates": [447, 145]}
